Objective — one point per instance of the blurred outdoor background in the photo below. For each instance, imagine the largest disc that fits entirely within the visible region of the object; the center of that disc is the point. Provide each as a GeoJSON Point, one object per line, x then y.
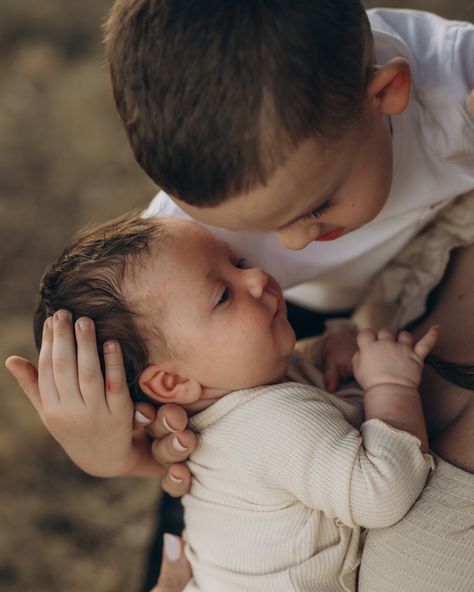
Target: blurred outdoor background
{"type": "Point", "coordinates": [65, 162]}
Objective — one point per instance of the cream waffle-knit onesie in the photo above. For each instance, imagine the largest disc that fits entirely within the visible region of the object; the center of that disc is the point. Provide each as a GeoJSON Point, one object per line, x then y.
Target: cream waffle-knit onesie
{"type": "Point", "coordinates": [283, 481]}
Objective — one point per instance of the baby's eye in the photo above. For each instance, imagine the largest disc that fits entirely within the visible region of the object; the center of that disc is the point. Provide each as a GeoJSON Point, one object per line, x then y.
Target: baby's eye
{"type": "Point", "coordinates": [225, 296]}
{"type": "Point", "coordinates": [241, 263]}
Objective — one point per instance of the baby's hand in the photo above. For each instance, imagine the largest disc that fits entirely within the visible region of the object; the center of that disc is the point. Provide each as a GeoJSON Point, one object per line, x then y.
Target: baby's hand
{"type": "Point", "coordinates": [385, 360]}
{"type": "Point", "coordinates": [337, 351]}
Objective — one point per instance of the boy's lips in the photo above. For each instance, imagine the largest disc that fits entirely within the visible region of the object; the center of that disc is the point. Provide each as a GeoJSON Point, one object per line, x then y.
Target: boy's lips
{"type": "Point", "coordinates": [331, 235]}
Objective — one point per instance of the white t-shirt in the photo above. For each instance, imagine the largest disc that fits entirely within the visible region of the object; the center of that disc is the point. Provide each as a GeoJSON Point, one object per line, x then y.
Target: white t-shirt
{"type": "Point", "coordinates": [433, 152]}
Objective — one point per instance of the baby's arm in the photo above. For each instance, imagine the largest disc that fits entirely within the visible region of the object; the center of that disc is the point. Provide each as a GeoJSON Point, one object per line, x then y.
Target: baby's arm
{"type": "Point", "coordinates": [389, 370]}
{"type": "Point", "coordinates": [93, 421]}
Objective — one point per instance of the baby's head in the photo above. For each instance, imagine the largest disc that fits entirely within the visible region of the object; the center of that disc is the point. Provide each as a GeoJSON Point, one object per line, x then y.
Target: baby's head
{"type": "Point", "coordinates": [257, 115]}
{"type": "Point", "coordinates": [193, 323]}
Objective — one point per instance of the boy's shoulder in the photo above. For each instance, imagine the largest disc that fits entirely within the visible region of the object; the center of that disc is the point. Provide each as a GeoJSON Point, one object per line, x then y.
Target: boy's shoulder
{"type": "Point", "coordinates": [439, 50]}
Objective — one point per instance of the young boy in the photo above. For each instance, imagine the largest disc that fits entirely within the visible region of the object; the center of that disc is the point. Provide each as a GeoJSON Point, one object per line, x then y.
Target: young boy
{"type": "Point", "coordinates": [283, 478]}
{"type": "Point", "coordinates": [305, 119]}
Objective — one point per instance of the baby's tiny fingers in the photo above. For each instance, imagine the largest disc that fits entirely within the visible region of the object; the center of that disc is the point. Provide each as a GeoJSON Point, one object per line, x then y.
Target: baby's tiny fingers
{"type": "Point", "coordinates": [331, 378]}
{"type": "Point", "coordinates": [177, 480]}
{"type": "Point", "coordinates": [365, 336]}
{"type": "Point", "coordinates": [174, 447]}
{"type": "Point", "coordinates": [427, 342]}
{"type": "Point", "coordinates": [385, 335]}
{"type": "Point", "coordinates": [405, 338]}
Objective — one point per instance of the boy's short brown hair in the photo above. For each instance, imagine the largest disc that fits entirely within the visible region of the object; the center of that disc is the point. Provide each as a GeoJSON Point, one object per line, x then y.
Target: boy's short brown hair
{"type": "Point", "coordinates": [216, 94]}
{"type": "Point", "coordinates": [88, 279]}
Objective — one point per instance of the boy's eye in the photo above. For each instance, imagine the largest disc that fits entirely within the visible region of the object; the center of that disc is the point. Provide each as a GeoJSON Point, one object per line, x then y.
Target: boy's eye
{"type": "Point", "coordinates": [317, 212]}
{"type": "Point", "coordinates": [224, 297]}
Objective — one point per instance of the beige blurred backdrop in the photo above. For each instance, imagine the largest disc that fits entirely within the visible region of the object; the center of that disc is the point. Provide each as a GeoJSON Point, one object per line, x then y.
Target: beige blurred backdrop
{"type": "Point", "coordinates": [65, 162]}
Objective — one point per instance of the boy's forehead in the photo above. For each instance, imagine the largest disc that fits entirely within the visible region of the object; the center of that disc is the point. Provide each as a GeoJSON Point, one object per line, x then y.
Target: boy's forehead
{"type": "Point", "coordinates": [305, 181]}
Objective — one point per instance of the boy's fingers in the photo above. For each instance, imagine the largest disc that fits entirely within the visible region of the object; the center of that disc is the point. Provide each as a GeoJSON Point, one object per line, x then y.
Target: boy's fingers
{"type": "Point", "coordinates": [91, 382]}
{"type": "Point", "coordinates": [65, 358]}
{"type": "Point", "coordinates": [116, 387]}
{"type": "Point", "coordinates": [47, 385]}
{"type": "Point", "coordinates": [365, 336]}
{"type": "Point", "coordinates": [174, 448]}
{"type": "Point", "coordinates": [427, 342]}
{"type": "Point", "coordinates": [177, 480]}
{"type": "Point", "coordinates": [175, 568]}
{"type": "Point", "coordinates": [169, 419]}
{"type": "Point", "coordinates": [26, 376]}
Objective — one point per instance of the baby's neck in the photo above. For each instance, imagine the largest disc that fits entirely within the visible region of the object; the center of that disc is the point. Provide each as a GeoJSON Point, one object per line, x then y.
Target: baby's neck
{"type": "Point", "coordinates": [211, 396]}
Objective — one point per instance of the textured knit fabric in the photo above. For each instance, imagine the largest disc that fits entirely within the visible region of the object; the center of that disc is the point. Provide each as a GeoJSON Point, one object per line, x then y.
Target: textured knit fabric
{"type": "Point", "coordinates": [282, 482]}
{"type": "Point", "coordinates": [433, 162]}
{"type": "Point", "coordinates": [399, 293]}
{"type": "Point", "coordinates": [432, 548]}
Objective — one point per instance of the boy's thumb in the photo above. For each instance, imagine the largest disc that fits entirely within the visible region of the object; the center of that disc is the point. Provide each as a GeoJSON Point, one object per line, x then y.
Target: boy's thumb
{"type": "Point", "coordinates": [175, 568]}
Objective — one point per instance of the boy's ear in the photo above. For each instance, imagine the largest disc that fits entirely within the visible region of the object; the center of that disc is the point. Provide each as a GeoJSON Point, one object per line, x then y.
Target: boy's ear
{"type": "Point", "coordinates": [390, 86]}
{"type": "Point", "coordinates": [167, 387]}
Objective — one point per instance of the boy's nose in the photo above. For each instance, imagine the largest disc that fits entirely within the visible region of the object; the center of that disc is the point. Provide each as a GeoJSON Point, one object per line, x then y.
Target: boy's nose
{"type": "Point", "coordinates": [256, 281]}
{"type": "Point", "coordinates": [297, 235]}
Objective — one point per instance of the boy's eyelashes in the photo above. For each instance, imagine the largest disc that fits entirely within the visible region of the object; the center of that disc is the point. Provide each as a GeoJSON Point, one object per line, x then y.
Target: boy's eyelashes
{"type": "Point", "coordinates": [319, 211]}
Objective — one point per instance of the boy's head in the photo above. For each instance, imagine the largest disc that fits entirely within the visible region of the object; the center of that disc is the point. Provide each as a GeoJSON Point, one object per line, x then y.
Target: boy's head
{"type": "Point", "coordinates": [192, 322]}
{"type": "Point", "coordinates": [251, 114]}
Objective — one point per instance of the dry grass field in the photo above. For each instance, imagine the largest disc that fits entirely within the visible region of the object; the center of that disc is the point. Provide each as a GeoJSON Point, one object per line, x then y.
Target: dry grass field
{"type": "Point", "coordinates": [64, 162]}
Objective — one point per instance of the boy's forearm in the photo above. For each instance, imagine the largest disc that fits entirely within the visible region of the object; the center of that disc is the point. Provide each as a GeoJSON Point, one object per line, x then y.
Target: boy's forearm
{"type": "Point", "coordinates": [398, 406]}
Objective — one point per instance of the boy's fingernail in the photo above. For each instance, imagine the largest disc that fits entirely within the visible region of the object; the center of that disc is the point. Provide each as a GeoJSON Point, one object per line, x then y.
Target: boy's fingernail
{"type": "Point", "coordinates": [172, 547]}
{"type": "Point", "coordinates": [84, 324]}
{"type": "Point", "coordinates": [49, 323]}
{"type": "Point", "coordinates": [167, 425]}
{"type": "Point", "coordinates": [63, 315]}
{"type": "Point", "coordinates": [175, 480]}
{"type": "Point", "coordinates": [141, 418]}
{"type": "Point", "coordinates": [177, 445]}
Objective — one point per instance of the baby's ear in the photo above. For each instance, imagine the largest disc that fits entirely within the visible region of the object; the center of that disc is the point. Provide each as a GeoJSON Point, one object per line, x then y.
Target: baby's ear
{"type": "Point", "coordinates": [390, 86]}
{"type": "Point", "coordinates": [165, 386]}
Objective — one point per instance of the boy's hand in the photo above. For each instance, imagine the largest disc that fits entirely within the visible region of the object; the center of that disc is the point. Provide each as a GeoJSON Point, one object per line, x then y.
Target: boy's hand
{"type": "Point", "coordinates": [337, 351]}
{"type": "Point", "coordinates": [384, 359]}
{"type": "Point", "coordinates": [94, 422]}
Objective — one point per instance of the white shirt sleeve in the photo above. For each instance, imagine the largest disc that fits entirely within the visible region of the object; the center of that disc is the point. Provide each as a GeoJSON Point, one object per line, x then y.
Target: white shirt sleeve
{"type": "Point", "coordinates": [369, 478]}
